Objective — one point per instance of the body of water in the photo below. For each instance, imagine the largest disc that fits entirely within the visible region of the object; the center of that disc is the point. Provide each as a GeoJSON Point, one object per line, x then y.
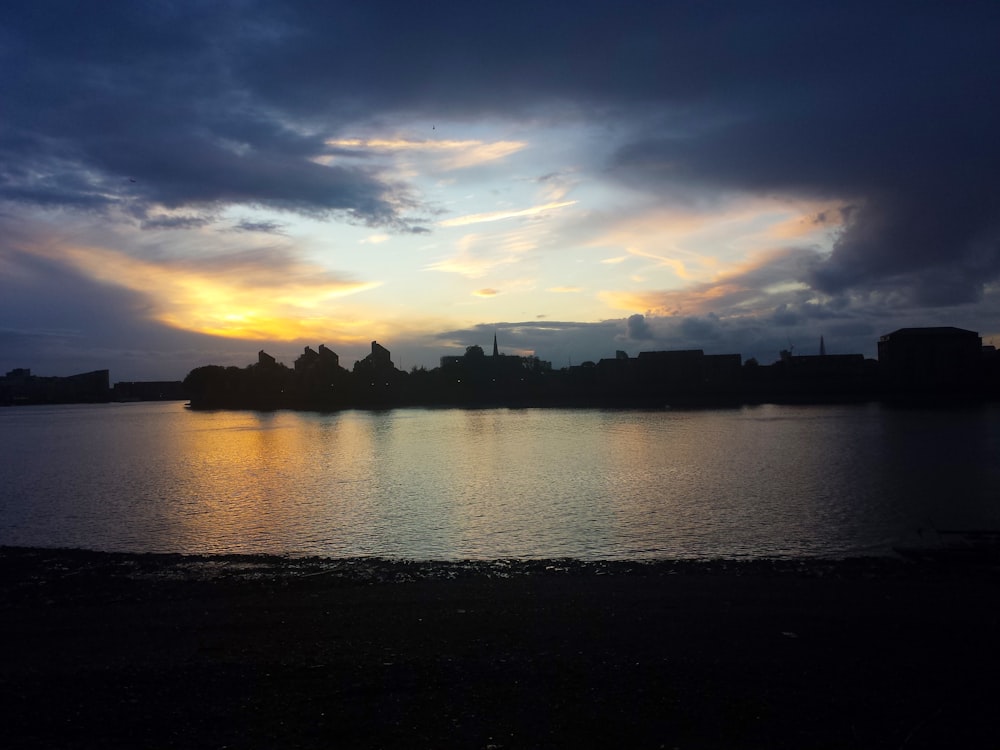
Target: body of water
{"type": "Point", "coordinates": [765, 481]}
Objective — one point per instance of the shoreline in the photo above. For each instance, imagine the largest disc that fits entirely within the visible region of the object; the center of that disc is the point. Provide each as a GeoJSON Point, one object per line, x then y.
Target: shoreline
{"type": "Point", "coordinates": [207, 565]}
{"type": "Point", "coordinates": [125, 650]}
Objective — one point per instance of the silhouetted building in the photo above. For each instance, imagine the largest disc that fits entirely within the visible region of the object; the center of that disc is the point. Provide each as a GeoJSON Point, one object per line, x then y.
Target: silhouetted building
{"type": "Point", "coordinates": [380, 378]}
{"type": "Point", "coordinates": [722, 371]}
{"type": "Point", "coordinates": [823, 365]}
{"type": "Point", "coordinates": [380, 356]}
{"type": "Point", "coordinates": [930, 359]}
{"type": "Point", "coordinates": [309, 358]}
{"type": "Point", "coordinates": [616, 366]}
{"type": "Point", "coordinates": [19, 386]}
{"type": "Point", "coordinates": [473, 359]}
{"type": "Point", "coordinates": [667, 376]}
{"type": "Point", "coordinates": [823, 377]}
{"type": "Point", "coordinates": [18, 376]}
{"type": "Point", "coordinates": [672, 372]}
{"type": "Point", "coordinates": [328, 357]}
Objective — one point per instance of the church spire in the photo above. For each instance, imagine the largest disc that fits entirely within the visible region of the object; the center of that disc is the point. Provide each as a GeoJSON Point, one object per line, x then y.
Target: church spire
{"type": "Point", "coordinates": [496, 351]}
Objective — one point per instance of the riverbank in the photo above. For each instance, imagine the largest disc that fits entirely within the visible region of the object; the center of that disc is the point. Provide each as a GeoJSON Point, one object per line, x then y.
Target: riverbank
{"type": "Point", "coordinates": [107, 650]}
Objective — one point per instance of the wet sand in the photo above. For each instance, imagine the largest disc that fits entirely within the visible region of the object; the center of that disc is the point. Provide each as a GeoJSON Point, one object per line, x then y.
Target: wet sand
{"type": "Point", "coordinates": [115, 651]}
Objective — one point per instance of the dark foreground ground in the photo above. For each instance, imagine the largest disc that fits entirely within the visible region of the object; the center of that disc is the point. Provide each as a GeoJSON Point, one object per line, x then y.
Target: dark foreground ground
{"type": "Point", "coordinates": [132, 651]}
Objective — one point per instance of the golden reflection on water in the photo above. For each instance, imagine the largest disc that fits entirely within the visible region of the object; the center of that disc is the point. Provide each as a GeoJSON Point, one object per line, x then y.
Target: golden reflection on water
{"type": "Point", "coordinates": [264, 480]}
{"type": "Point", "coordinates": [450, 483]}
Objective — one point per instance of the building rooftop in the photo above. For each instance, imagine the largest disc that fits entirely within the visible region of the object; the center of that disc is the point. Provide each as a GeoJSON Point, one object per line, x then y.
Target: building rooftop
{"type": "Point", "coordinates": [932, 331]}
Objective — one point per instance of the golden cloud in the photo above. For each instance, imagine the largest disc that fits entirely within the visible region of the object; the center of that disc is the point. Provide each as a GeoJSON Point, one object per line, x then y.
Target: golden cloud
{"type": "Point", "coordinates": [753, 286]}
{"type": "Point", "coordinates": [460, 221]}
{"type": "Point", "coordinates": [236, 297]}
{"type": "Point", "coordinates": [694, 245]}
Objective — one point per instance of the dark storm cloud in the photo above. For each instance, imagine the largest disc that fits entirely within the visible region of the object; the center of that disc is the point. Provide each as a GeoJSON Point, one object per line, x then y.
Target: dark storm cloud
{"type": "Point", "coordinates": [192, 106]}
{"type": "Point", "coordinates": [888, 111]}
{"type": "Point", "coordinates": [137, 104]}
{"type": "Point", "coordinates": [784, 315]}
{"type": "Point", "coordinates": [637, 328]}
{"type": "Point", "coordinates": [264, 227]}
{"type": "Point", "coordinates": [157, 221]}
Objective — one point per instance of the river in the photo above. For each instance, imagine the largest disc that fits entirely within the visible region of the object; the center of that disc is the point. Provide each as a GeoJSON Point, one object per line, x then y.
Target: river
{"type": "Point", "coordinates": [449, 484]}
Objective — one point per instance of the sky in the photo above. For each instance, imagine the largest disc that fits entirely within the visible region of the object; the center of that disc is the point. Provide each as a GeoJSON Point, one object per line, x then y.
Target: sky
{"type": "Point", "coordinates": [186, 183]}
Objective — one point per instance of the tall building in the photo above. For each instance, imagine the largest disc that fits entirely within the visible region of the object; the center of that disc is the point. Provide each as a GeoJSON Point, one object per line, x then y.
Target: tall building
{"type": "Point", "coordinates": [930, 358]}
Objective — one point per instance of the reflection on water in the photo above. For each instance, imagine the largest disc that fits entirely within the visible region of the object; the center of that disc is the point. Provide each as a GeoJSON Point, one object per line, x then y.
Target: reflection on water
{"type": "Point", "coordinates": [454, 484]}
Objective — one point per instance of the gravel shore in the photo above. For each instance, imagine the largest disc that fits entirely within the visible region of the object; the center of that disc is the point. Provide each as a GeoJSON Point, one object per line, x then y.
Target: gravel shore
{"type": "Point", "coordinates": [114, 650]}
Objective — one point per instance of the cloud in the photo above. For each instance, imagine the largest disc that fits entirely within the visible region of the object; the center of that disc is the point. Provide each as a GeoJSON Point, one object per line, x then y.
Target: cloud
{"type": "Point", "coordinates": [637, 328]}
{"type": "Point", "coordinates": [263, 294]}
{"type": "Point", "coordinates": [175, 221]}
{"type": "Point", "coordinates": [560, 342]}
{"type": "Point", "coordinates": [262, 227]}
{"type": "Point", "coordinates": [936, 249]}
{"type": "Point", "coordinates": [205, 108]}
{"type": "Point", "coordinates": [480, 254]}
{"type": "Point", "coordinates": [461, 221]}
{"type": "Point", "coordinates": [892, 131]}
{"type": "Point", "coordinates": [142, 111]}
{"type": "Point", "coordinates": [566, 343]}
{"type": "Point", "coordinates": [749, 288]}
{"type": "Point", "coordinates": [449, 154]}
{"type": "Point", "coordinates": [486, 292]}
{"type": "Point", "coordinates": [877, 122]}
{"type": "Point", "coordinates": [88, 325]}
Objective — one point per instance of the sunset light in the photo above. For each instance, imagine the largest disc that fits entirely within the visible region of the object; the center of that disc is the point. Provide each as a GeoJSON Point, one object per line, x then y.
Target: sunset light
{"type": "Point", "coordinates": [249, 305]}
{"type": "Point", "coordinates": [388, 185]}
{"type": "Point", "coordinates": [499, 374]}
